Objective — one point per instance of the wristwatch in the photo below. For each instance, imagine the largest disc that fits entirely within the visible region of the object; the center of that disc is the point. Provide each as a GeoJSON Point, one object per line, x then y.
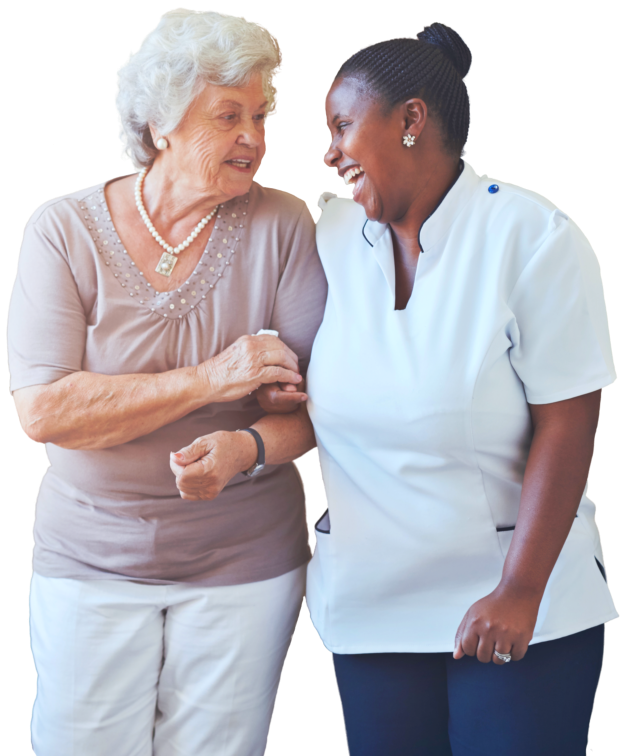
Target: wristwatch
{"type": "Point", "coordinates": [260, 459]}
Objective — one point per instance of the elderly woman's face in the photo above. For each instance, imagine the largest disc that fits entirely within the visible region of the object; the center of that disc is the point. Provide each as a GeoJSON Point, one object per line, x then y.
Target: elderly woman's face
{"type": "Point", "coordinates": [221, 140]}
{"type": "Point", "coordinates": [367, 150]}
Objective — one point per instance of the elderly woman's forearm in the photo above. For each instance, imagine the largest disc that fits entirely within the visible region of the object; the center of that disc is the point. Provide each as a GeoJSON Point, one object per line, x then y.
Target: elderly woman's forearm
{"type": "Point", "coordinates": [286, 437]}
{"type": "Point", "coordinates": [92, 411]}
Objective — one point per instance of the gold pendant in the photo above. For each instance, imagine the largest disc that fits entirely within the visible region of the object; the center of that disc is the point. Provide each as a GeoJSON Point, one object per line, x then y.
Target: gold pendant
{"type": "Point", "coordinates": [166, 265]}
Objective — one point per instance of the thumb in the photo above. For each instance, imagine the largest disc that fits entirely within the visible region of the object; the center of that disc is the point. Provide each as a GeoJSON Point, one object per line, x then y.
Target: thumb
{"type": "Point", "coordinates": [193, 452]}
{"type": "Point", "coordinates": [458, 646]}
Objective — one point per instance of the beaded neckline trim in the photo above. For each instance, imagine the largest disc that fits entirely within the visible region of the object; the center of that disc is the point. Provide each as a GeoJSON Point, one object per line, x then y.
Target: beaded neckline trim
{"type": "Point", "coordinates": [216, 261]}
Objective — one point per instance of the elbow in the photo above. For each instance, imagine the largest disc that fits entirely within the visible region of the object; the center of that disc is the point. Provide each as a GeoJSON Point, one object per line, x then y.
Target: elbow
{"type": "Point", "coordinates": [36, 429]}
{"type": "Point", "coordinates": [43, 431]}
{"type": "Point", "coordinates": [30, 432]}
{"type": "Point", "coordinates": [42, 414]}
{"type": "Point", "coordinates": [33, 418]}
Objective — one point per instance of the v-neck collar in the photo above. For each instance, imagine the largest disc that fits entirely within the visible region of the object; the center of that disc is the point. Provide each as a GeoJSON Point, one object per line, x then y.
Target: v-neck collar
{"type": "Point", "coordinates": [217, 257]}
{"type": "Point", "coordinates": [438, 223]}
{"type": "Point", "coordinates": [434, 229]}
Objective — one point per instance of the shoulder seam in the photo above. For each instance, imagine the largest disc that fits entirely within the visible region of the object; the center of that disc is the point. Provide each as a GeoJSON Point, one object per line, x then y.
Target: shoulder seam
{"type": "Point", "coordinates": [535, 253]}
{"type": "Point", "coordinates": [40, 211]}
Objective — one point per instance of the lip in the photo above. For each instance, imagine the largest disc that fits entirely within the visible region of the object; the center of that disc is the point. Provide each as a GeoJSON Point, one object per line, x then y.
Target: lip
{"type": "Point", "coordinates": [247, 168]}
{"type": "Point", "coordinates": [344, 169]}
{"type": "Point", "coordinates": [358, 185]}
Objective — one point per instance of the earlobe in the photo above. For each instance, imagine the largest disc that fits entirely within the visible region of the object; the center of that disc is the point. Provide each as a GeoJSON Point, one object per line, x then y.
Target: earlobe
{"type": "Point", "coordinates": [159, 141]}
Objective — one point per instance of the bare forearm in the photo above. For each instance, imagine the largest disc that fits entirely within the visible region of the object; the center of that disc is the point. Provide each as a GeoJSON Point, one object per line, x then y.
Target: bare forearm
{"type": "Point", "coordinates": [93, 411]}
{"type": "Point", "coordinates": [554, 482]}
{"type": "Point", "coordinates": [286, 437]}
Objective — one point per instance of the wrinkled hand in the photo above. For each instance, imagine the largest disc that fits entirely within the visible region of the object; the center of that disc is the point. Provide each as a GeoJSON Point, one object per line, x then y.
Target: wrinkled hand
{"type": "Point", "coordinates": [203, 468]}
{"type": "Point", "coordinates": [281, 398]}
{"type": "Point", "coordinates": [247, 364]}
{"type": "Point", "coordinates": [503, 621]}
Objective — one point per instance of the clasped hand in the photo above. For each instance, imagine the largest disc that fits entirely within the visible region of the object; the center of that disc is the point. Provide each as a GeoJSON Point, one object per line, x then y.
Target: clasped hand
{"type": "Point", "coordinates": [503, 621]}
{"type": "Point", "coordinates": [203, 468]}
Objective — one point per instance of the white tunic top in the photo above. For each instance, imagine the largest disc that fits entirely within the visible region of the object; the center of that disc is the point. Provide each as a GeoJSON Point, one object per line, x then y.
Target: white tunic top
{"type": "Point", "coordinates": [421, 415]}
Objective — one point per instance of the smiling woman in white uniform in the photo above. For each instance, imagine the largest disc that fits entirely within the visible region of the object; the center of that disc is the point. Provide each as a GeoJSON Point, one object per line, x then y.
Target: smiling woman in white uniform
{"type": "Point", "coordinates": [469, 317]}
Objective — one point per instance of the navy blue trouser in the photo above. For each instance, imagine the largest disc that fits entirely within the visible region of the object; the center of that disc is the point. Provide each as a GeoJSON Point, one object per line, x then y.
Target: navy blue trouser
{"type": "Point", "coordinates": [433, 705]}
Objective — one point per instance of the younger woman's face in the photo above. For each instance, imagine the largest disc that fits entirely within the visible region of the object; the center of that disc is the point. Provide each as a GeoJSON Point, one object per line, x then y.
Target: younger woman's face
{"type": "Point", "coordinates": [367, 150]}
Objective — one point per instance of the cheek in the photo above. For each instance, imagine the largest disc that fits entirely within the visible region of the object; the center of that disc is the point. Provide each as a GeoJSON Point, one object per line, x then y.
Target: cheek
{"type": "Point", "coordinates": [263, 144]}
{"type": "Point", "coordinates": [202, 157]}
{"type": "Point", "coordinates": [207, 149]}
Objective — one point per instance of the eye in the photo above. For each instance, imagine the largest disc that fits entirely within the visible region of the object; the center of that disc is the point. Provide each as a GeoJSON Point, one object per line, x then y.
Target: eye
{"type": "Point", "coordinates": [342, 125]}
{"type": "Point", "coordinates": [260, 117]}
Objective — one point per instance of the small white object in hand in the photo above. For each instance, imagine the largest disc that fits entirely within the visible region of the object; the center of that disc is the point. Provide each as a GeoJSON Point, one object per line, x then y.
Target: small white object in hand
{"type": "Point", "coordinates": [267, 332]}
{"type": "Point", "coordinates": [324, 198]}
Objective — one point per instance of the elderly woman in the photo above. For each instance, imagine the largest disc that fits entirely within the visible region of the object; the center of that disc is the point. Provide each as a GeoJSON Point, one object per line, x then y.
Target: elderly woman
{"type": "Point", "coordinates": [470, 315]}
{"type": "Point", "coordinates": [160, 616]}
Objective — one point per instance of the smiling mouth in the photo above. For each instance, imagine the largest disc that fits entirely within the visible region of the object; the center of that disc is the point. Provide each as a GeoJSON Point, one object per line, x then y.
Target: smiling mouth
{"type": "Point", "coordinates": [351, 175]}
{"type": "Point", "coordinates": [357, 185]}
{"type": "Point", "coordinates": [240, 163]}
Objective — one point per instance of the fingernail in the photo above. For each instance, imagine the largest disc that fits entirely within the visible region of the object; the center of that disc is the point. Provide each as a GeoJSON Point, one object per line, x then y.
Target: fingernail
{"type": "Point", "coordinates": [179, 455]}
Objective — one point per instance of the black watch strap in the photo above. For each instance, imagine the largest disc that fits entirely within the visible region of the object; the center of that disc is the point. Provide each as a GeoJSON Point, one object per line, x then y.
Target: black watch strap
{"type": "Point", "coordinates": [260, 459]}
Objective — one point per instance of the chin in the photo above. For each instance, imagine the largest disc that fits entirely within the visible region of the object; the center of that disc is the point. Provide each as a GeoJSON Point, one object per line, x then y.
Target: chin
{"type": "Point", "coordinates": [372, 204]}
{"type": "Point", "coordinates": [373, 210]}
{"type": "Point", "coordinates": [239, 187]}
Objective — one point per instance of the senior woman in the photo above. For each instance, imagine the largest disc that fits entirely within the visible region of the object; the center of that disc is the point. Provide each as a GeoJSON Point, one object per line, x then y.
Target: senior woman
{"type": "Point", "coordinates": [161, 617]}
{"type": "Point", "coordinates": [470, 316]}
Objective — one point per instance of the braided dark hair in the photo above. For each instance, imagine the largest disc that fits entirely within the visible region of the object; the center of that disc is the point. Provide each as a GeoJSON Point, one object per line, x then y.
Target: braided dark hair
{"type": "Point", "coordinates": [431, 67]}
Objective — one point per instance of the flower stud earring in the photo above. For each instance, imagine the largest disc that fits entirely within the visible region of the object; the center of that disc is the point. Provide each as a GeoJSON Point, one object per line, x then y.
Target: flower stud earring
{"type": "Point", "coordinates": [408, 140]}
{"type": "Point", "coordinates": [161, 143]}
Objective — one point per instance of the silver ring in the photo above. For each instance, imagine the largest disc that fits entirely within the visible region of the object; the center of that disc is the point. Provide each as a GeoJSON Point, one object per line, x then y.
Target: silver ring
{"type": "Point", "coordinates": [504, 657]}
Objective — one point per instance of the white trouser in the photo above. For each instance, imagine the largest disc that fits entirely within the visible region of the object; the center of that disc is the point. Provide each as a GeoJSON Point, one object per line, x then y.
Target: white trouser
{"type": "Point", "coordinates": [126, 669]}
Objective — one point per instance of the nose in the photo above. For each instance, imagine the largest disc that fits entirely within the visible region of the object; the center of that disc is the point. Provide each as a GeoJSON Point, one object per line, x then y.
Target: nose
{"type": "Point", "coordinates": [251, 134]}
{"type": "Point", "coordinates": [332, 156]}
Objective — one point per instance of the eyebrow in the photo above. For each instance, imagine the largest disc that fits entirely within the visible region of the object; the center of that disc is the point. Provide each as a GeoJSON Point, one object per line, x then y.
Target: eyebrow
{"type": "Point", "coordinates": [238, 104]}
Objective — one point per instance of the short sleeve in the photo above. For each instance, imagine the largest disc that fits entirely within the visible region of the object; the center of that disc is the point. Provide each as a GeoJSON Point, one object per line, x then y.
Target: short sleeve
{"type": "Point", "coordinates": [47, 324]}
{"type": "Point", "coordinates": [302, 290]}
{"type": "Point", "coordinates": [325, 198]}
{"type": "Point", "coordinates": [561, 346]}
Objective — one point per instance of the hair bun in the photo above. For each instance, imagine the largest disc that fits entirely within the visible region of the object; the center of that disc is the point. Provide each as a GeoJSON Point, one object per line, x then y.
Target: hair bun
{"type": "Point", "coordinates": [451, 45]}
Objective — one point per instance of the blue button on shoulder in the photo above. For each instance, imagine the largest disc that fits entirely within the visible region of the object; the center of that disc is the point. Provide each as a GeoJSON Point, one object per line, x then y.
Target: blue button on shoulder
{"type": "Point", "coordinates": [493, 189]}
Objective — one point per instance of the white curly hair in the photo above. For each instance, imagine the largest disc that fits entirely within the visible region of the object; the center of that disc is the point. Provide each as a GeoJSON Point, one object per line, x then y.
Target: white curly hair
{"type": "Point", "coordinates": [185, 51]}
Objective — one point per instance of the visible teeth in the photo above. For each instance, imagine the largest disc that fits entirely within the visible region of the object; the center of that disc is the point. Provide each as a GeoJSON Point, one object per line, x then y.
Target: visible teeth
{"type": "Point", "coordinates": [351, 173]}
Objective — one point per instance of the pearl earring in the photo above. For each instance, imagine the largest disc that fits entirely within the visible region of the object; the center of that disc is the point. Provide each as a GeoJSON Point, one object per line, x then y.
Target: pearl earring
{"type": "Point", "coordinates": [161, 143]}
{"type": "Point", "coordinates": [408, 140]}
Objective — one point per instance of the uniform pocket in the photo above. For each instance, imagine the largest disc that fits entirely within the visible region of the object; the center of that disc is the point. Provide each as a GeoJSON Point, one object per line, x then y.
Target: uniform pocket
{"type": "Point", "coordinates": [602, 570]}
{"type": "Point", "coordinates": [508, 528]}
{"type": "Point", "coordinates": [323, 525]}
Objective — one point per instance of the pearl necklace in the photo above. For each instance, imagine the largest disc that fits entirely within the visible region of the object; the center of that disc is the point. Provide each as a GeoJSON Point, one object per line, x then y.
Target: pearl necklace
{"type": "Point", "coordinates": [168, 260]}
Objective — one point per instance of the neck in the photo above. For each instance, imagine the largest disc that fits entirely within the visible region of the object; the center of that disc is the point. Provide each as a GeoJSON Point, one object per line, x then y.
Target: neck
{"type": "Point", "coordinates": [428, 193]}
{"type": "Point", "coordinates": [172, 196]}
